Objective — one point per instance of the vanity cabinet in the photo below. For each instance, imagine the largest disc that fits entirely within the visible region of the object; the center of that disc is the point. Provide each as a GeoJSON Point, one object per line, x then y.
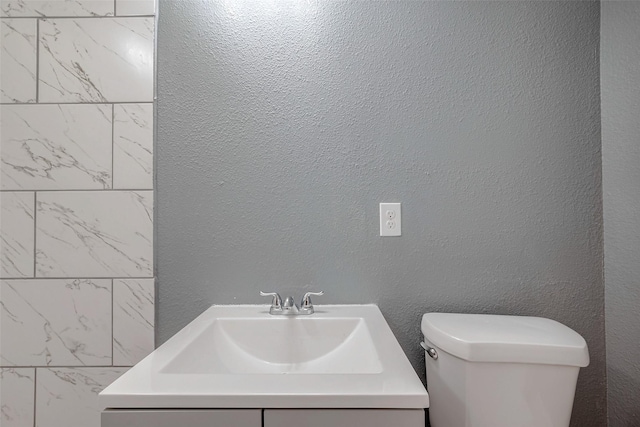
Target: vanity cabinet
{"type": "Point", "coordinates": [344, 417]}
{"type": "Point", "coordinates": [228, 368]}
{"type": "Point", "coordinates": [263, 418]}
{"type": "Point", "coordinates": [182, 418]}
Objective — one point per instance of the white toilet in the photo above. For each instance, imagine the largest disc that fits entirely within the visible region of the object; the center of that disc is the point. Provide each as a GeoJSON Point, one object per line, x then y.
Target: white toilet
{"type": "Point", "coordinates": [500, 371]}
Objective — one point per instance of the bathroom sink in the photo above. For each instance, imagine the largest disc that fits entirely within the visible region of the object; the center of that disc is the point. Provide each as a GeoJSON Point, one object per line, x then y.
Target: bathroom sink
{"type": "Point", "coordinates": [279, 345]}
{"type": "Point", "coordinates": [342, 356]}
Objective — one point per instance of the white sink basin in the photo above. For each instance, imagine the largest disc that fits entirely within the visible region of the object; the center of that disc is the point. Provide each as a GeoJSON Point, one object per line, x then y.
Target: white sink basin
{"type": "Point", "coordinates": [342, 356]}
{"type": "Point", "coordinates": [279, 344]}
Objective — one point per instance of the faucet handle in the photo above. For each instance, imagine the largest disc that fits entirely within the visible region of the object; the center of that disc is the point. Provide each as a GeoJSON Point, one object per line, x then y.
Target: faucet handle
{"type": "Point", "coordinates": [306, 305]}
{"type": "Point", "coordinates": [276, 302]}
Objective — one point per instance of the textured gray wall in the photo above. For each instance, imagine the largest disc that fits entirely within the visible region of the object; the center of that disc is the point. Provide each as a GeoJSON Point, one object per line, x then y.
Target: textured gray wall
{"type": "Point", "coordinates": [620, 83]}
{"type": "Point", "coordinates": [282, 125]}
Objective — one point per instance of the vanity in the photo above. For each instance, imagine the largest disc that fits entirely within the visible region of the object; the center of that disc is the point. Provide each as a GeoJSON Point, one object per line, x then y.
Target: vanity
{"type": "Point", "coordinates": [246, 366]}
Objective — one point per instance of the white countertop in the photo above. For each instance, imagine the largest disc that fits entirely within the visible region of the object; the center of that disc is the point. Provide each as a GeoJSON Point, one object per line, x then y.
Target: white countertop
{"type": "Point", "coordinates": [153, 383]}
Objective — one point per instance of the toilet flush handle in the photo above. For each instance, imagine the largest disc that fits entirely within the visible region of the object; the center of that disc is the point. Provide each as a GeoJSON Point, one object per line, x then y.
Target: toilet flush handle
{"type": "Point", "coordinates": [430, 351]}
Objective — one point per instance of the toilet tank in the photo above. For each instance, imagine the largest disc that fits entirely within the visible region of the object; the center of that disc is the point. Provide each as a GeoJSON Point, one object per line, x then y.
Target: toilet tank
{"type": "Point", "coordinates": [500, 371]}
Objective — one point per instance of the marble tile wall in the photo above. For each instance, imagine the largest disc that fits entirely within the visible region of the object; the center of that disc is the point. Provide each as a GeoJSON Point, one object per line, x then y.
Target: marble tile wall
{"type": "Point", "coordinates": [76, 204]}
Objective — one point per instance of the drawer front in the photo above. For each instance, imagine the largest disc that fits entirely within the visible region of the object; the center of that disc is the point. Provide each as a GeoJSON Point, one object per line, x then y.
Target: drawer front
{"type": "Point", "coordinates": [344, 417]}
{"type": "Point", "coordinates": [182, 418]}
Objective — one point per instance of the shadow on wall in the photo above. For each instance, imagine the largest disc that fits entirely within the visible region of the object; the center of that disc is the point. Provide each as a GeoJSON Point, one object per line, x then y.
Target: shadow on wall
{"type": "Point", "coordinates": [625, 387]}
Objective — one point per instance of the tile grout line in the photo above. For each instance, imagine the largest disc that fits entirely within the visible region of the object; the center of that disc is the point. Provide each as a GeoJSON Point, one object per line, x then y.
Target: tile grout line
{"type": "Point", "coordinates": [77, 17]}
{"type": "Point", "coordinates": [113, 127]}
{"type": "Point", "coordinates": [65, 366]}
{"type": "Point", "coordinates": [35, 230]}
{"type": "Point", "coordinates": [112, 309]}
{"type": "Point", "coordinates": [76, 278]}
{"type": "Point", "coordinates": [35, 394]}
{"type": "Point", "coordinates": [37, 60]}
{"type": "Point", "coordinates": [115, 8]}
{"type": "Point", "coordinates": [77, 103]}
{"type": "Point", "coordinates": [86, 190]}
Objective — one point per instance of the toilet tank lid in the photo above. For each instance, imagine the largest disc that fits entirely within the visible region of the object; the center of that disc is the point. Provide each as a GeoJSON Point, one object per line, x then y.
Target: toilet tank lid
{"type": "Point", "coordinates": [508, 339]}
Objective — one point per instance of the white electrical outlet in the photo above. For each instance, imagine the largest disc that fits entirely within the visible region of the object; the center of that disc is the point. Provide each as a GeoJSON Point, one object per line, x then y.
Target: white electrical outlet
{"type": "Point", "coordinates": [390, 219]}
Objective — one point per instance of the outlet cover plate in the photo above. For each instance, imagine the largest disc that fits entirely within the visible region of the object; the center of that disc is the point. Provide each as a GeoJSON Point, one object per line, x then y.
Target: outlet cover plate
{"type": "Point", "coordinates": [390, 219]}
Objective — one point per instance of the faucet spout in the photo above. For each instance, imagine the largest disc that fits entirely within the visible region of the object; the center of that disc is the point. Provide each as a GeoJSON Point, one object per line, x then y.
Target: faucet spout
{"type": "Point", "coordinates": [289, 306]}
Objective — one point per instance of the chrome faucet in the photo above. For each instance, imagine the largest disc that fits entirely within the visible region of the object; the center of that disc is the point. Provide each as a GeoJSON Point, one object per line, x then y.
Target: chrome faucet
{"type": "Point", "coordinates": [289, 307]}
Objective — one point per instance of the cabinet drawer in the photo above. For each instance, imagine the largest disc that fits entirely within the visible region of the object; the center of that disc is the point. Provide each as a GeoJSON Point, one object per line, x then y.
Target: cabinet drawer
{"type": "Point", "coordinates": [182, 418]}
{"type": "Point", "coordinates": [344, 417]}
